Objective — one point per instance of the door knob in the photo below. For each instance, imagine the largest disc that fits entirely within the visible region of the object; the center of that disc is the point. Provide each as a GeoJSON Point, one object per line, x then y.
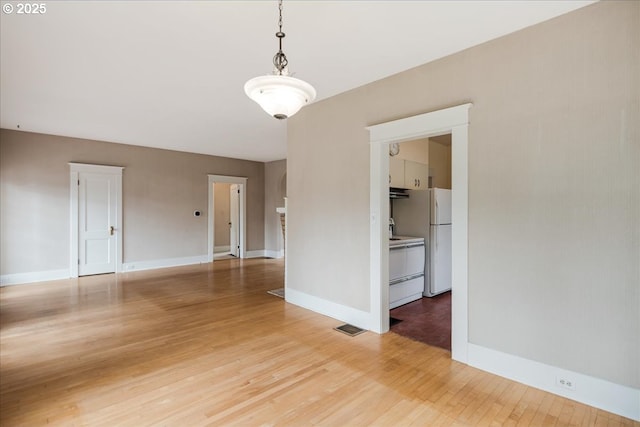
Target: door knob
{"type": "Point", "coordinates": [111, 230]}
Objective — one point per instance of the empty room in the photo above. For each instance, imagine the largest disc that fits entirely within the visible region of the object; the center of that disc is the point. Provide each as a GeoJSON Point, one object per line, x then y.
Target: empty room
{"type": "Point", "coordinates": [228, 212]}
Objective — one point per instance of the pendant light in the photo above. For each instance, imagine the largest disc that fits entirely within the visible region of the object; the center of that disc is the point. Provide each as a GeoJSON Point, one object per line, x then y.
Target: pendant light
{"type": "Point", "coordinates": [279, 94]}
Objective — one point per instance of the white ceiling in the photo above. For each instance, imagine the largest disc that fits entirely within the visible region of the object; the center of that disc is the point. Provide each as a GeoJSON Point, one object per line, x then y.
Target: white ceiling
{"type": "Point", "coordinates": [170, 74]}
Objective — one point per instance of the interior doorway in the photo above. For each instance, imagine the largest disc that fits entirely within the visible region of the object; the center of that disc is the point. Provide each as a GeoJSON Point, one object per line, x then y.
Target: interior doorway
{"type": "Point", "coordinates": [234, 220]}
{"type": "Point", "coordinates": [454, 120]}
{"type": "Point", "coordinates": [96, 219]}
{"type": "Point", "coordinates": [423, 211]}
{"type": "Point", "coordinates": [226, 212]}
{"type": "Point", "coordinates": [227, 217]}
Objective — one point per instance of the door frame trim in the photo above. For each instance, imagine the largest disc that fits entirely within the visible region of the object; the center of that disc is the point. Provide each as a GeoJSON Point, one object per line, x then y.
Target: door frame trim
{"type": "Point", "coordinates": [233, 219]}
{"type": "Point", "coordinates": [242, 181]}
{"type": "Point", "coordinates": [454, 120]}
{"type": "Point", "coordinates": [75, 170]}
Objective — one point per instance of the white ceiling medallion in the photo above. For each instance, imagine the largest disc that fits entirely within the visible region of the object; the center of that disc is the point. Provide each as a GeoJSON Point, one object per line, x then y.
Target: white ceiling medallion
{"type": "Point", "coordinates": [279, 94]}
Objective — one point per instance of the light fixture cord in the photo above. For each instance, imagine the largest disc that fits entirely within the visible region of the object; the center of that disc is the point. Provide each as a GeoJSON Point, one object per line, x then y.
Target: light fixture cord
{"type": "Point", "coordinates": [280, 59]}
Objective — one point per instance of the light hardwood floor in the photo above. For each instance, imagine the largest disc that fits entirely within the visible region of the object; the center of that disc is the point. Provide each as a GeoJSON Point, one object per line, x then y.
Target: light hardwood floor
{"type": "Point", "coordinates": [206, 345]}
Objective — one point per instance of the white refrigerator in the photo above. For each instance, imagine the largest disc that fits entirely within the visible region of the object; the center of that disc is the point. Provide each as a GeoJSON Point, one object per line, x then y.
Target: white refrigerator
{"type": "Point", "coordinates": [427, 213]}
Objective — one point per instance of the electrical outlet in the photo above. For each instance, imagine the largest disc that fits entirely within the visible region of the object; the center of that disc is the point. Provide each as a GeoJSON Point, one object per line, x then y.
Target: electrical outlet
{"type": "Point", "coordinates": [565, 382]}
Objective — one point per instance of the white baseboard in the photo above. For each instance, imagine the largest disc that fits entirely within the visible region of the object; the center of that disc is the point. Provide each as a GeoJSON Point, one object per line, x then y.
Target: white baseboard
{"type": "Point", "coordinates": [43, 276]}
{"type": "Point", "coordinates": [274, 254]}
{"type": "Point", "coordinates": [255, 254]}
{"type": "Point", "coordinates": [34, 277]}
{"type": "Point", "coordinates": [611, 397]}
{"type": "Point", "coordinates": [163, 263]}
{"type": "Point", "coordinates": [350, 315]}
{"type": "Point", "coordinates": [217, 249]}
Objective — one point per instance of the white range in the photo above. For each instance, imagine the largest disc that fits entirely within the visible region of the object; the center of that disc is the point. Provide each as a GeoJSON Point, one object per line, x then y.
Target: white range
{"type": "Point", "coordinates": [406, 269]}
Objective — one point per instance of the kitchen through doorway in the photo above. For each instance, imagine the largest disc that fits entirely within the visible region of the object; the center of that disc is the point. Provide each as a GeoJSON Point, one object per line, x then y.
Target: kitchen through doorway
{"type": "Point", "coordinates": [424, 169]}
{"type": "Point", "coordinates": [454, 120]}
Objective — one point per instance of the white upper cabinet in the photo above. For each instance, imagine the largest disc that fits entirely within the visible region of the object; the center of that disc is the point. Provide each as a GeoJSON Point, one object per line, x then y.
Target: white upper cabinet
{"type": "Point", "coordinates": [416, 175]}
{"type": "Point", "coordinates": [396, 172]}
{"type": "Point", "coordinates": [407, 174]}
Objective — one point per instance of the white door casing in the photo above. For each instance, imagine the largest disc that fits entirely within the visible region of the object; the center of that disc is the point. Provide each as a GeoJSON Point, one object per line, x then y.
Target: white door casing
{"type": "Point", "coordinates": [234, 219]}
{"type": "Point", "coordinates": [96, 219]}
{"type": "Point", "coordinates": [242, 182]}
{"type": "Point", "coordinates": [454, 120]}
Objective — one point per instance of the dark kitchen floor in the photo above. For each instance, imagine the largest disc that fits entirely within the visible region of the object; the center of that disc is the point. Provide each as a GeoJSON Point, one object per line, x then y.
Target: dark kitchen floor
{"type": "Point", "coordinates": [427, 320]}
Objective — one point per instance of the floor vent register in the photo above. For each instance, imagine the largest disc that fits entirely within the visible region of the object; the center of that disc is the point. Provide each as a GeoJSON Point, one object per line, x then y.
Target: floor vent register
{"type": "Point", "coordinates": [350, 330]}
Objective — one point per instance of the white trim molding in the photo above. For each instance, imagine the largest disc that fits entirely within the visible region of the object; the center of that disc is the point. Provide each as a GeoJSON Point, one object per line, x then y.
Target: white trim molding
{"type": "Point", "coordinates": [274, 254]}
{"type": "Point", "coordinates": [75, 170]}
{"type": "Point", "coordinates": [242, 181]}
{"type": "Point", "coordinates": [33, 277]}
{"type": "Point", "coordinates": [164, 263]}
{"type": "Point", "coordinates": [260, 253]}
{"type": "Point", "coordinates": [421, 126]}
{"type": "Point", "coordinates": [611, 397]}
{"type": "Point", "coordinates": [452, 120]}
{"type": "Point", "coordinates": [337, 311]}
{"type": "Point", "coordinates": [45, 276]}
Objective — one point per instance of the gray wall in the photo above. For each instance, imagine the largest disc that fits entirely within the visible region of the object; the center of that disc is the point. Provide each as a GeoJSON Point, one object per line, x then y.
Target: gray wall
{"type": "Point", "coordinates": [275, 190]}
{"type": "Point", "coordinates": [161, 189]}
{"type": "Point", "coordinates": [554, 197]}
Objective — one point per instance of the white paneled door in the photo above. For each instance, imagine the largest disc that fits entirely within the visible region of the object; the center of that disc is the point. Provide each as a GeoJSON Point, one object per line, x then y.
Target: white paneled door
{"type": "Point", "coordinates": [97, 222]}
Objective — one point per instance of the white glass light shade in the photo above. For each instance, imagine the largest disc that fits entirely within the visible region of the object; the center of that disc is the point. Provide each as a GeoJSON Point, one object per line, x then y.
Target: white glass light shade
{"type": "Point", "coordinates": [280, 96]}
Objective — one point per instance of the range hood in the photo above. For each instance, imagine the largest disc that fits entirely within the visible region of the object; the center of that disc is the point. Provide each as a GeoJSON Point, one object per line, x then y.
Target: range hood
{"type": "Point", "coordinates": [398, 193]}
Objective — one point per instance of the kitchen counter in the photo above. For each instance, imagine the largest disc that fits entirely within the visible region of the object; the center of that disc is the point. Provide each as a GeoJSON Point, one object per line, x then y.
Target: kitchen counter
{"type": "Point", "coordinates": [404, 240]}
